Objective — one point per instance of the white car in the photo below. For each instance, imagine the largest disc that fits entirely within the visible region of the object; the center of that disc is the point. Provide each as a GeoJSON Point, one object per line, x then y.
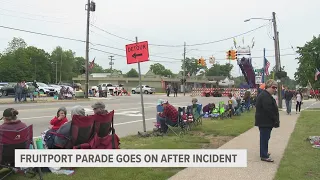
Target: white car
{"type": "Point", "coordinates": [57, 88]}
{"type": "Point", "coordinates": [43, 88]}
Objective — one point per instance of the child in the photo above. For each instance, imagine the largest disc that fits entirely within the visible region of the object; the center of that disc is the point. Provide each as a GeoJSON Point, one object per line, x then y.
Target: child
{"type": "Point", "coordinates": [60, 119]}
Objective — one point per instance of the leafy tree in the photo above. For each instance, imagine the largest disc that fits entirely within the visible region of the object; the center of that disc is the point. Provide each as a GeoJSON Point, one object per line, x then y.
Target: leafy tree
{"type": "Point", "coordinates": [191, 66]}
{"type": "Point", "coordinates": [308, 61]}
{"type": "Point", "coordinates": [219, 70]}
{"type": "Point", "coordinates": [159, 69]}
{"type": "Point", "coordinates": [15, 44]}
{"type": "Point", "coordinates": [132, 73]}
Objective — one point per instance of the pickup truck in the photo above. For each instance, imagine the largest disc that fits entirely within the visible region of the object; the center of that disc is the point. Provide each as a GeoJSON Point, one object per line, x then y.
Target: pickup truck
{"type": "Point", "coordinates": [145, 89]}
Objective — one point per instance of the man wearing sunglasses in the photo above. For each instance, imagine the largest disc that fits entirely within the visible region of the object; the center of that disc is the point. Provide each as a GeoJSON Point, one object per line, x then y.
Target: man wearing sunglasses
{"type": "Point", "coordinates": [266, 117]}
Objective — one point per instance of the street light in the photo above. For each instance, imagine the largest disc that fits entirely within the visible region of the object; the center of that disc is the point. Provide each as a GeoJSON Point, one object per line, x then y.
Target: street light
{"type": "Point", "coordinates": [247, 20]}
{"type": "Point", "coordinates": [277, 51]}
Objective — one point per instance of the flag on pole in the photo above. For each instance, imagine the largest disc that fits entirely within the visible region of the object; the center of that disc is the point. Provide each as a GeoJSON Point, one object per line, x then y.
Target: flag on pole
{"type": "Point", "coordinates": [188, 74]}
{"type": "Point", "coordinates": [92, 63]}
{"type": "Point", "coordinates": [234, 42]}
{"type": "Point", "coordinates": [316, 74]}
{"type": "Point", "coordinates": [266, 70]}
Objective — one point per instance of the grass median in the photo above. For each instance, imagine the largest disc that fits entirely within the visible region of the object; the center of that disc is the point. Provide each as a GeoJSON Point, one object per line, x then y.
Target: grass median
{"type": "Point", "coordinates": [300, 160]}
{"type": "Point", "coordinates": [212, 134]}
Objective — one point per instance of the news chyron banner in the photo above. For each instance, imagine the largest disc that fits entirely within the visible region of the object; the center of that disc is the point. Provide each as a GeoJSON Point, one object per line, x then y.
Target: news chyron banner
{"type": "Point", "coordinates": [131, 158]}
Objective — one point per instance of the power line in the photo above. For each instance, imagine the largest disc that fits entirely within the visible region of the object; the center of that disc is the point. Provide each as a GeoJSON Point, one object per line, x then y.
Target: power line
{"type": "Point", "coordinates": [48, 21]}
{"type": "Point", "coordinates": [43, 34]}
{"type": "Point", "coordinates": [205, 43]}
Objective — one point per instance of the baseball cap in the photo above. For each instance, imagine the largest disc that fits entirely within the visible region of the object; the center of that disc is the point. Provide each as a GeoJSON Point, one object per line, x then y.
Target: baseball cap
{"type": "Point", "coordinates": [159, 102]}
{"type": "Point", "coordinates": [98, 105]}
{"type": "Point", "coordinates": [7, 113]}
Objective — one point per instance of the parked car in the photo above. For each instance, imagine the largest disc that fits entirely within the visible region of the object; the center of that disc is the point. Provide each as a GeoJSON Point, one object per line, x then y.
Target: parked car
{"type": "Point", "coordinates": [7, 89]}
{"type": "Point", "coordinates": [56, 87]}
{"type": "Point", "coordinates": [44, 88]}
{"type": "Point", "coordinates": [145, 89]}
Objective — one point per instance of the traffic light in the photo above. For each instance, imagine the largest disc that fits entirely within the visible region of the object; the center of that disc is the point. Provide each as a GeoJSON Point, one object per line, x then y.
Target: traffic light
{"type": "Point", "coordinates": [199, 61]}
{"type": "Point", "coordinates": [229, 54]}
{"type": "Point", "coordinates": [202, 61]}
{"type": "Point", "coordinates": [234, 55]}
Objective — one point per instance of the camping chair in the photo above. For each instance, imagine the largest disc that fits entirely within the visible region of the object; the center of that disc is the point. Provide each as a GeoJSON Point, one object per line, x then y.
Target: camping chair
{"type": "Point", "coordinates": [81, 132]}
{"type": "Point", "coordinates": [181, 124]}
{"type": "Point", "coordinates": [159, 109]}
{"type": "Point", "coordinates": [196, 113]}
{"type": "Point", "coordinates": [101, 138]}
{"type": "Point", "coordinates": [222, 111]}
{"type": "Point", "coordinates": [11, 140]}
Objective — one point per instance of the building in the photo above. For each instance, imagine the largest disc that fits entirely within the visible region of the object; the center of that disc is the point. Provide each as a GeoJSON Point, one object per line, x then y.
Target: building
{"type": "Point", "coordinates": [152, 80]}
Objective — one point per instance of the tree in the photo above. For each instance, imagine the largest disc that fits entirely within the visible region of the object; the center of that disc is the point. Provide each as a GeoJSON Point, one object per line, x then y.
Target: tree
{"type": "Point", "coordinates": [159, 69]}
{"type": "Point", "coordinates": [15, 44]}
{"type": "Point", "coordinates": [308, 60]}
{"type": "Point", "coordinates": [191, 66]}
{"type": "Point", "coordinates": [220, 70]}
{"type": "Point", "coordinates": [132, 73]}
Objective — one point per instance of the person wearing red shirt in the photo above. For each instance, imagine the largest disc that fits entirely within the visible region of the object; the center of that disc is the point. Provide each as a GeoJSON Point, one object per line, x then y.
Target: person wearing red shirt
{"type": "Point", "coordinates": [168, 116]}
{"type": "Point", "coordinates": [60, 119]}
{"type": "Point", "coordinates": [10, 120]}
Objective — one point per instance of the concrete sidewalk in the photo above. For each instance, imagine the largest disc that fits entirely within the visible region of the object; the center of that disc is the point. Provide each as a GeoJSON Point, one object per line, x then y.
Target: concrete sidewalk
{"type": "Point", "coordinates": [249, 140]}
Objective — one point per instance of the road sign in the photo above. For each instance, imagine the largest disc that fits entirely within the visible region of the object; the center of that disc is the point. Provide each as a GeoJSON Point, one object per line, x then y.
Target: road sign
{"type": "Point", "coordinates": [258, 70]}
{"type": "Point", "coordinates": [258, 80]}
{"type": "Point", "coordinates": [137, 52]}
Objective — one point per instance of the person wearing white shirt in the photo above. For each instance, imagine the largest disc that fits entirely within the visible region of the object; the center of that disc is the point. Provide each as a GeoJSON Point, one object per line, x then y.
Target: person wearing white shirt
{"type": "Point", "coordinates": [299, 101]}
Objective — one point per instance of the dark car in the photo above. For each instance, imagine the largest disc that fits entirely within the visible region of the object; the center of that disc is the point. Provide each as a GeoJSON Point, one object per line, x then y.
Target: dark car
{"type": "Point", "coordinates": [7, 89]}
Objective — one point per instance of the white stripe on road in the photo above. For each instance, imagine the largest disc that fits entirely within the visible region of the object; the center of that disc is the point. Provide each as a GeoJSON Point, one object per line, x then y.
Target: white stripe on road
{"type": "Point", "coordinates": [39, 117]}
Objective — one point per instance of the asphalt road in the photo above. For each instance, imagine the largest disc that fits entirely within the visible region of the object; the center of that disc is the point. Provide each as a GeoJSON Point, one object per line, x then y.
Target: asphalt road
{"type": "Point", "coordinates": [128, 117]}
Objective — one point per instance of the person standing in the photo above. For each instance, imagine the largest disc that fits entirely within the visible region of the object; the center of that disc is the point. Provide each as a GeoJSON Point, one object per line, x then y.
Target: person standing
{"type": "Point", "coordinates": [18, 92]}
{"type": "Point", "coordinates": [266, 117]}
{"type": "Point", "coordinates": [175, 91]}
{"type": "Point", "coordinates": [299, 101]}
{"type": "Point", "coordinates": [168, 90]}
{"type": "Point", "coordinates": [288, 95]}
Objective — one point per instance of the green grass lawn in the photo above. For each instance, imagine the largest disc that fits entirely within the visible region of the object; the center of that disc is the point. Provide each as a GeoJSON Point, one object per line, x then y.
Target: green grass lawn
{"type": "Point", "coordinates": [300, 160]}
{"type": "Point", "coordinates": [212, 134]}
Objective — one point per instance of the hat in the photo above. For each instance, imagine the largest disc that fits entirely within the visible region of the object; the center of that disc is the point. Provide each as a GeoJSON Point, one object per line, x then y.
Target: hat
{"type": "Point", "coordinates": [7, 113]}
{"type": "Point", "coordinates": [164, 102]}
{"type": "Point", "coordinates": [98, 105]}
{"type": "Point", "coordinates": [159, 102]}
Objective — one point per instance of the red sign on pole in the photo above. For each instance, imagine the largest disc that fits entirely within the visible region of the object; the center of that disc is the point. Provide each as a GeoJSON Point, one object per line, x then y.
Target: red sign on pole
{"type": "Point", "coordinates": [137, 52]}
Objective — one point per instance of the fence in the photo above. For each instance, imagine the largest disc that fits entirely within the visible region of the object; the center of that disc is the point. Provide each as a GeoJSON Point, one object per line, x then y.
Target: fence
{"type": "Point", "coordinates": [223, 91]}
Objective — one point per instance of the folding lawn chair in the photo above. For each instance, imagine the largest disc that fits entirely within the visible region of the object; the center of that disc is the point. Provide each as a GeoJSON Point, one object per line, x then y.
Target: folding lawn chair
{"type": "Point", "coordinates": [81, 132]}
{"type": "Point", "coordinates": [11, 140]}
{"type": "Point", "coordinates": [182, 124]}
{"type": "Point", "coordinates": [222, 111]}
{"type": "Point", "coordinates": [103, 136]}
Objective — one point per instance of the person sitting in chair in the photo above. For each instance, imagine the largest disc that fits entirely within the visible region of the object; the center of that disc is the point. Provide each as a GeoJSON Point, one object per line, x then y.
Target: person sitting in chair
{"type": "Point", "coordinates": [168, 116]}
{"type": "Point", "coordinates": [11, 121]}
{"type": "Point", "coordinates": [99, 108]}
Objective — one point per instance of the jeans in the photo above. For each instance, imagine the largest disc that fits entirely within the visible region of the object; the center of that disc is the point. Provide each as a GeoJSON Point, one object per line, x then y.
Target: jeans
{"type": "Point", "coordinates": [264, 141]}
{"type": "Point", "coordinates": [17, 97]}
{"type": "Point", "coordinates": [164, 122]}
{"type": "Point", "coordinates": [298, 106]}
{"type": "Point", "coordinates": [288, 105]}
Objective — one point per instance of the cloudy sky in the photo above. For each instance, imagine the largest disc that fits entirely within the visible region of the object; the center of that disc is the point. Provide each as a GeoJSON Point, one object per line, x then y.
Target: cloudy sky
{"type": "Point", "coordinates": [169, 23]}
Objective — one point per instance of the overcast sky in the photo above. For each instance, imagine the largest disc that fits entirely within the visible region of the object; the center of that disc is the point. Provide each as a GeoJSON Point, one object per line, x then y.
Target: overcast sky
{"type": "Point", "coordinates": [166, 23]}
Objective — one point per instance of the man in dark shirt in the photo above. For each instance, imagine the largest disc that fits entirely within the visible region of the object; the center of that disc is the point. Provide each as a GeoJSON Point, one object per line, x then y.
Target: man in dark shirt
{"type": "Point", "coordinates": [288, 95]}
{"type": "Point", "coordinates": [168, 116]}
{"type": "Point", "coordinates": [266, 117]}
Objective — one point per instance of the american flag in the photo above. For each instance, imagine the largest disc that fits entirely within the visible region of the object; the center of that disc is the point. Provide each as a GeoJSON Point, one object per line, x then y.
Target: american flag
{"type": "Point", "coordinates": [92, 63]}
{"type": "Point", "coordinates": [316, 75]}
{"type": "Point", "coordinates": [266, 70]}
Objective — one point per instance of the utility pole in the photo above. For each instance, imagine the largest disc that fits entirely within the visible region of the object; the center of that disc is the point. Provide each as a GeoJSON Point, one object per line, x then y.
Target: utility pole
{"type": "Point", "coordinates": [56, 72]}
{"type": "Point", "coordinates": [184, 69]}
{"type": "Point", "coordinates": [60, 65]}
{"type": "Point", "coordinates": [264, 66]}
{"type": "Point", "coordinates": [90, 6]}
{"type": "Point", "coordinates": [111, 63]}
{"type": "Point", "coordinates": [277, 57]}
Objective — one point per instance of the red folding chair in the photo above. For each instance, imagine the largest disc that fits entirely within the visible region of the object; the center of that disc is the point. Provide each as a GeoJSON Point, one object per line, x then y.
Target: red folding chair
{"type": "Point", "coordinates": [11, 140]}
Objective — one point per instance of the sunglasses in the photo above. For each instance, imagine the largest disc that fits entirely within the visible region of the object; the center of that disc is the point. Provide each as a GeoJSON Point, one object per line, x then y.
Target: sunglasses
{"type": "Point", "coordinates": [274, 87]}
